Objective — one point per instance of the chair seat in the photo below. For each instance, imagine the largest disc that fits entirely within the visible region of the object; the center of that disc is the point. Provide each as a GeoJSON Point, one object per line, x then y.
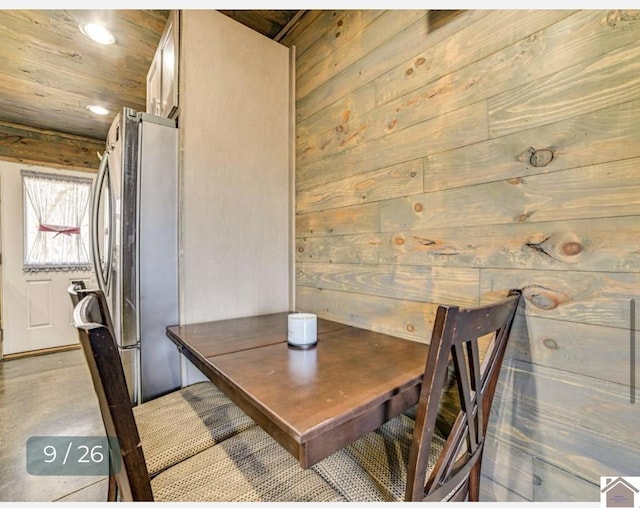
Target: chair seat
{"type": "Point", "coordinates": [374, 468]}
{"type": "Point", "coordinates": [181, 424]}
{"type": "Point", "coordinates": [250, 466]}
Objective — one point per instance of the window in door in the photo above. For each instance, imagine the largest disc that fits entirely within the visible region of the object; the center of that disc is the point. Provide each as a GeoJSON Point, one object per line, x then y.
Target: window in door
{"type": "Point", "coordinates": [56, 222]}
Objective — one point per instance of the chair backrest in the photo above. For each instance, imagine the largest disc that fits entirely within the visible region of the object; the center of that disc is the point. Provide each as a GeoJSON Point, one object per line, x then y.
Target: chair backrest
{"type": "Point", "coordinates": [100, 312]}
{"type": "Point", "coordinates": [91, 317]}
{"type": "Point", "coordinates": [73, 289]}
{"type": "Point", "coordinates": [456, 331]}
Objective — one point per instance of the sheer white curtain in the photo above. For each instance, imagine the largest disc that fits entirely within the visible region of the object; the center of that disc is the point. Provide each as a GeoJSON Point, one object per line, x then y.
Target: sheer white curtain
{"type": "Point", "coordinates": [56, 222]}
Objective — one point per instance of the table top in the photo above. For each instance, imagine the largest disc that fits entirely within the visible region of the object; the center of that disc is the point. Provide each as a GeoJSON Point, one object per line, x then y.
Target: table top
{"type": "Point", "coordinates": [231, 335]}
{"type": "Point", "coordinates": [312, 401]}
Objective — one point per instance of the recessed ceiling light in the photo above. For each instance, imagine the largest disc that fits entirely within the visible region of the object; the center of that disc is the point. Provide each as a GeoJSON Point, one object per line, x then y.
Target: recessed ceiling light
{"type": "Point", "coordinates": [98, 110]}
{"type": "Point", "coordinates": [97, 33]}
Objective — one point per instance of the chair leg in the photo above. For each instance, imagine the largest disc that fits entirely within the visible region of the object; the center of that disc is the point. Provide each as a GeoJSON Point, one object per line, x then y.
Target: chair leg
{"type": "Point", "coordinates": [474, 481]}
{"type": "Point", "coordinates": [112, 490]}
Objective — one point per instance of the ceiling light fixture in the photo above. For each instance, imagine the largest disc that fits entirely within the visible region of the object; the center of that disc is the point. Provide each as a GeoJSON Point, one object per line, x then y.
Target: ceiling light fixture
{"type": "Point", "coordinates": [97, 33]}
{"type": "Point", "coordinates": [98, 110]}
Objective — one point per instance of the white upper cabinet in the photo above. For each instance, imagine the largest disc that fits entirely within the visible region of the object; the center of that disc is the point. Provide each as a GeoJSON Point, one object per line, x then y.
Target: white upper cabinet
{"type": "Point", "coordinates": [162, 78]}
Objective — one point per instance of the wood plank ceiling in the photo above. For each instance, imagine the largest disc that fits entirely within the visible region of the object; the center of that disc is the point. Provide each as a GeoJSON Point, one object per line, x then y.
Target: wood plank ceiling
{"type": "Point", "coordinates": [50, 72]}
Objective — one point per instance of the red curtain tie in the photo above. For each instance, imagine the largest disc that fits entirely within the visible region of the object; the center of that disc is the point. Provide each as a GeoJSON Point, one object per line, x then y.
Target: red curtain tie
{"type": "Point", "coordinates": [60, 230]}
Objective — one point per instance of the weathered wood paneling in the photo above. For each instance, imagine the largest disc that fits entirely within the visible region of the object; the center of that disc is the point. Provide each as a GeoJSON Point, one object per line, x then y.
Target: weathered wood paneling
{"type": "Point", "coordinates": [466, 125]}
{"type": "Point", "coordinates": [603, 190]}
{"type": "Point", "coordinates": [338, 221]}
{"type": "Point", "coordinates": [609, 244]}
{"type": "Point", "coordinates": [59, 70]}
{"type": "Point", "coordinates": [577, 423]}
{"type": "Point", "coordinates": [399, 180]}
{"type": "Point", "coordinates": [401, 318]}
{"type": "Point", "coordinates": [304, 33]}
{"type": "Point", "coordinates": [518, 63]}
{"type": "Point", "coordinates": [484, 36]}
{"type": "Point", "coordinates": [361, 96]}
{"type": "Point", "coordinates": [573, 347]}
{"type": "Point", "coordinates": [583, 140]}
{"type": "Point", "coordinates": [54, 149]}
{"type": "Point", "coordinates": [371, 64]}
{"type": "Point", "coordinates": [579, 297]}
{"type": "Point", "coordinates": [526, 125]}
{"type": "Point", "coordinates": [508, 465]}
{"type": "Point", "coordinates": [417, 283]}
{"type": "Point", "coordinates": [551, 483]}
{"type": "Point", "coordinates": [573, 91]}
{"type": "Point", "coordinates": [339, 28]}
{"type": "Point", "coordinates": [491, 491]}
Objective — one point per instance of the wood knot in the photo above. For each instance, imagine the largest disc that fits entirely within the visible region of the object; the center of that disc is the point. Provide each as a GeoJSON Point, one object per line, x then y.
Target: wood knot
{"type": "Point", "coordinates": [300, 249]}
{"type": "Point", "coordinates": [514, 181]}
{"type": "Point", "coordinates": [409, 71]}
{"type": "Point", "coordinates": [421, 60]}
{"type": "Point", "coordinates": [620, 18]}
{"type": "Point", "coordinates": [541, 158]}
{"type": "Point", "coordinates": [543, 301]}
{"type": "Point", "coordinates": [418, 207]}
{"type": "Point", "coordinates": [411, 328]}
{"type": "Point", "coordinates": [340, 22]}
{"type": "Point", "coordinates": [392, 124]}
{"type": "Point", "coordinates": [524, 216]}
{"type": "Point", "coordinates": [337, 34]}
{"type": "Point", "coordinates": [398, 240]}
{"type": "Point", "coordinates": [572, 248]}
{"type": "Point", "coordinates": [424, 241]}
{"type": "Point", "coordinates": [339, 128]}
{"type": "Point", "coordinates": [544, 298]}
{"type": "Point", "coordinates": [413, 174]}
{"type": "Point", "coordinates": [550, 344]}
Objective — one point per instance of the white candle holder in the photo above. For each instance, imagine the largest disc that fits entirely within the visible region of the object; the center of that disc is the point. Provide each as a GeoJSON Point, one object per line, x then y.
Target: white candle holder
{"type": "Point", "coordinates": [303, 330]}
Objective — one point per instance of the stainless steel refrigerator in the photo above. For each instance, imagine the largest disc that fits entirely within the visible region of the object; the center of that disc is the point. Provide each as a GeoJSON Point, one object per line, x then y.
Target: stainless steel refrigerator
{"type": "Point", "coordinates": [134, 222]}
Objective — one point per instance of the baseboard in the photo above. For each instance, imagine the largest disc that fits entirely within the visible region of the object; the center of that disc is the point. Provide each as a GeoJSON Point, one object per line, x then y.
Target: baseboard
{"type": "Point", "coordinates": [38, 352]}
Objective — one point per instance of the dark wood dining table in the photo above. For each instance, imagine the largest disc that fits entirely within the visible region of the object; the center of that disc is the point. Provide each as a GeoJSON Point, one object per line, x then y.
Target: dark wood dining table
{"type": "Point", "coordinates": [313, 401]}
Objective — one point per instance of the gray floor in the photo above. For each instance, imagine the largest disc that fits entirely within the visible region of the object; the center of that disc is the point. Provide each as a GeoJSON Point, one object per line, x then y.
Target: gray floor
{"type": "Point", "coordinates": [48, 395]}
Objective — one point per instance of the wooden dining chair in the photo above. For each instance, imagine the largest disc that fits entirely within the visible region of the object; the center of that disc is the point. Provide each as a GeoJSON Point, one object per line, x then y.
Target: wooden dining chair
{"type": "Point", "coordinates": [177, 425]}
{"type": "Point", "coordinates": [407, 459]}
{"type": "Point", "coordinates": [247, 466]}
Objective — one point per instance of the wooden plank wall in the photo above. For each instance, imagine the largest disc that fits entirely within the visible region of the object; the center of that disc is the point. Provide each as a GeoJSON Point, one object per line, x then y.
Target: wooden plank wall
{"type": "Point", "coordinates": [28, 145]}
{"type": "Point", "coordinates": [445, 157]}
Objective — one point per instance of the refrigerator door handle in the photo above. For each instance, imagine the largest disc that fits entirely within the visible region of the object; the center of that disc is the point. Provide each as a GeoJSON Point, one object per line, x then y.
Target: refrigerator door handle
{"type": "Point", "coordinates": [98, 187]}
{"type": "Point", "coordinates": [110, 231]}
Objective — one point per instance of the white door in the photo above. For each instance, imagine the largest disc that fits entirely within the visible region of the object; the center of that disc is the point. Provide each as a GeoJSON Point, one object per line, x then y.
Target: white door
{"type": "Point", "coordinates": [36, 310]}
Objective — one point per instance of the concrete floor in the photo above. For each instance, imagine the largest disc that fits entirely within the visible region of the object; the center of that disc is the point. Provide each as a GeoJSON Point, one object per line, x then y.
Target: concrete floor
{"type": "Point", "coordinates": [47, 395]}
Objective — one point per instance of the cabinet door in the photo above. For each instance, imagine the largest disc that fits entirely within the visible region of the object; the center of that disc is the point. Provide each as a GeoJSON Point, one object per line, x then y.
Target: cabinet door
{"type": "Point", "coordinates": [169, 87]}
{"type": "Point", "coordinates": [162, 78]}
{"type": "Point", "coordinates": [154, 85]}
